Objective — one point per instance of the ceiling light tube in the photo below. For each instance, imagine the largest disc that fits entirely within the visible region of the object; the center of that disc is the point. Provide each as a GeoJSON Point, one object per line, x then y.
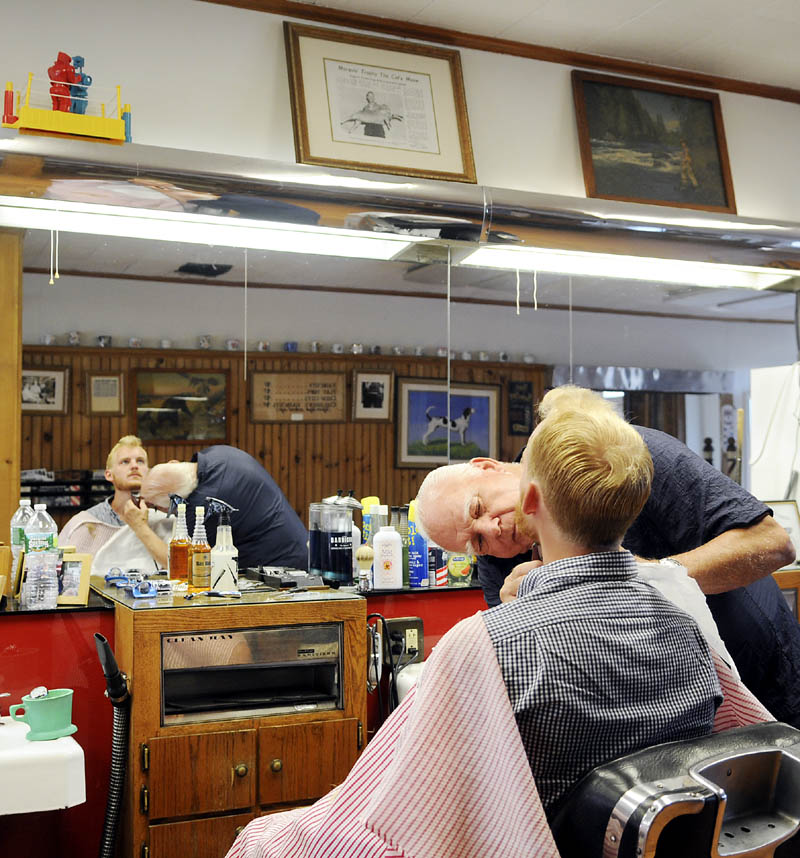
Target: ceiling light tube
{"type": "Point", "coordinates": [23, 213]}
{"type": "Point", "coordinates": [626, 267]}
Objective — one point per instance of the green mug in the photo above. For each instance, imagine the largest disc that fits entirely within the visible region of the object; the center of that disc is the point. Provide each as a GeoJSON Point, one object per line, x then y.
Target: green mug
{"type": "Point", "coordinates": [49, 717]}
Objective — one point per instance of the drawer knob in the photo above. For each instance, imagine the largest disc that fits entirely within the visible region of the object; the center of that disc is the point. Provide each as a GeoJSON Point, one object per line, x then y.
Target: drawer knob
{"type": "Point", "coordinates": [276, 765]}
{"type": "Point", "coordinates": [240, 770]}
{"type": "Point", "coordinates": [239, 829]}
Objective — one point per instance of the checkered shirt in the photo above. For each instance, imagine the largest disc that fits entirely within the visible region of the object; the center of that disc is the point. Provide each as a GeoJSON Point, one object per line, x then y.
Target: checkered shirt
{"type": "Point", "coordinates": [598, 664]}
{"type": "Point", "coordinates": [105, 512]}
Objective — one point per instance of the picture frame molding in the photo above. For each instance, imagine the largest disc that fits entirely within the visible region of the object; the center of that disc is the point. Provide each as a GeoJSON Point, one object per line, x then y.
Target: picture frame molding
{"type": "Point", "coordinates": [307, 148]}
{"type": "Point", "coordinates": [405, 384]}
{"type": "Point", "coordinates": [59, 407]}
{"type": "Point", "coordinates": [360, 377]}
{"type": "Point", "coordinates": [585, 147]}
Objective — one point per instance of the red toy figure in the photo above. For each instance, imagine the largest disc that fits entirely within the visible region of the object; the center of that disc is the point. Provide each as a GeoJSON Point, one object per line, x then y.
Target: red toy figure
{"type": "Point", "coordinates": [61, 76]}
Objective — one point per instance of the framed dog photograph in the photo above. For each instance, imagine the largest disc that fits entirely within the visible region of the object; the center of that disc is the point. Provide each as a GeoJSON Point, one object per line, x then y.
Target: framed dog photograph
{"type": "Point", "coordinates": [372, 396]}
{"type": "Point", "coordinates": [429, 434]}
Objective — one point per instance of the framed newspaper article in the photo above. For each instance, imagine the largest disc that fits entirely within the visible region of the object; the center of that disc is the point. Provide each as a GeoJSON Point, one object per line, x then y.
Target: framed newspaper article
{"type": "Point", "coordinates": [368, 103]}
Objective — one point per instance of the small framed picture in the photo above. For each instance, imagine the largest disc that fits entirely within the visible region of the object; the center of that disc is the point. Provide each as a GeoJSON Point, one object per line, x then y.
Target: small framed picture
{"type": "Point", "coordinates": [73, 584]}
{"type": "Point", "coordinates": [45, 390]}
{"type": "Point", "coordinates": [785, 512]}
{"type": "Point", "coordinates": [427, 432]}
{"type": "Point", "coordinates": [105, 394]}
{"type": "Point", "coordinates": [373, 393]}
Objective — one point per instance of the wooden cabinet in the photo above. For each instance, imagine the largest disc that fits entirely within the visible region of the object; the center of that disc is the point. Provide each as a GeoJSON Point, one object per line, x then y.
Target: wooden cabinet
{"type": "Point", "coordinates": [191, 786]}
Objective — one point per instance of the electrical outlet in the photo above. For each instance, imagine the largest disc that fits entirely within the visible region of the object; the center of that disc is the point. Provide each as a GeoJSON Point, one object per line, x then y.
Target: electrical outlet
{"type": "Point", "coordinates": [405, 640]}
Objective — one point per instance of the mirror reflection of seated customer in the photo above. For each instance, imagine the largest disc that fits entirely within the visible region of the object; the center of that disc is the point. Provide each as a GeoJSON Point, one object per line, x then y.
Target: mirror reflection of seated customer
{"type": "Point", "coordinates": [516, 703]}
{"type": "Point", "coordinates": [118, 530]}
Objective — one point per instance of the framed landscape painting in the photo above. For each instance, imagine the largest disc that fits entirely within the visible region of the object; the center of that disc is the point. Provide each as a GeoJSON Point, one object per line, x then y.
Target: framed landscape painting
{"type": "Point", "coordinates": [181, 406]}
{"type": "Point", "coordinates": [424, 425]}
{"type": "Point", "coordinates": [652, 143]}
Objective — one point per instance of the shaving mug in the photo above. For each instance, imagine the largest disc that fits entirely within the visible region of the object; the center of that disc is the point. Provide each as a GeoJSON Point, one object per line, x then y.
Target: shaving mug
{"type": "Point", "coordinates": [49, 717]}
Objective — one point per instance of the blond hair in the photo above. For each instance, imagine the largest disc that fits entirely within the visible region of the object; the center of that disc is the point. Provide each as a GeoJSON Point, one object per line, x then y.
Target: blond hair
{"type": "Point", "coordinates": [593, 468]}
{"type": "Point", "coordinates": [569, 396]}
{"type": "Point", "coordinates": [124, 441]}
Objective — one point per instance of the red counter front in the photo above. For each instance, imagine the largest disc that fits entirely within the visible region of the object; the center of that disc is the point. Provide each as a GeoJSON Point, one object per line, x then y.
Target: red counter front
{"type": "Point", "coordinates": [56, 649]}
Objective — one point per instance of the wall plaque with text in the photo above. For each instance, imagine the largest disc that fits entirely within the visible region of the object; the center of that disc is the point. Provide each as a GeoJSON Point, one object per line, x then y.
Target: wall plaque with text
{"type": "Point", "coordinates": [290, 397]}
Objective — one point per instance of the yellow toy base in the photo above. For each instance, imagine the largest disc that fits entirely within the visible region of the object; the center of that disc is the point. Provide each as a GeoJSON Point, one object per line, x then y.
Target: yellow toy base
{"type": "Point", "coordinates": [34, 119]}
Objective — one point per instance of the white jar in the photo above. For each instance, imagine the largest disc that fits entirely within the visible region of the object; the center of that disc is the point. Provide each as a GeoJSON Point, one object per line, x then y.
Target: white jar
{"type": "Point", "coordinates": [387, 565]}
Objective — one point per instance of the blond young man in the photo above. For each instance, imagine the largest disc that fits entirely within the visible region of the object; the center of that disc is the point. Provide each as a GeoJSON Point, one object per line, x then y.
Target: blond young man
{"type": "Point", "coordinates": [597, 663]}
{"type": "Point", "coordinates": [126, 467]}
{"type": "Point", "coordinates": [695, 517]}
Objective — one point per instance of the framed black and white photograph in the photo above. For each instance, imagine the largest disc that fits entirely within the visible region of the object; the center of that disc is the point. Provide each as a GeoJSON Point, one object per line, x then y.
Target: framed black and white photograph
{"type": "Point", "coordinates": [786, 513]}
{"type": "Point", "coordinates": [368, 103]}
{"type": "Point", "coordinates": [428, 435]}
{"type": "Point", "coordinates": [104, 394]}
{"type": "Point", "coordinates": [373, 395]}
{"type": "Point", "coordinates": [45, 390]}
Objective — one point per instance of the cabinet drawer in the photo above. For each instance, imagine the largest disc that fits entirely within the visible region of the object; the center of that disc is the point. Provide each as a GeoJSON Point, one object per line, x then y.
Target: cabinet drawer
{"type": "Point", "coordinates": [203, 773]}
{"type": "Point", "coordinates": [200, 838]}
{"type": "Point", "coordinates": [304, 761]}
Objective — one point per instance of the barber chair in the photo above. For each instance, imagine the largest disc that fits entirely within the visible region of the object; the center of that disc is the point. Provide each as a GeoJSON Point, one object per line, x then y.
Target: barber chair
{"type": "Point", "coordinates": [735, 793]}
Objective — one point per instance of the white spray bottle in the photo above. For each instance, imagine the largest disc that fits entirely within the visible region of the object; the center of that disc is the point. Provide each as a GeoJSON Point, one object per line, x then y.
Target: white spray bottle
{"type": "Point", "coordinates": [224, 554]}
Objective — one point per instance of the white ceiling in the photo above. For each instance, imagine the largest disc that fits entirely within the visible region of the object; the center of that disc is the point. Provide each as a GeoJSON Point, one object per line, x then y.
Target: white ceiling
{"type": "Point", "coordinates": [733, 38]}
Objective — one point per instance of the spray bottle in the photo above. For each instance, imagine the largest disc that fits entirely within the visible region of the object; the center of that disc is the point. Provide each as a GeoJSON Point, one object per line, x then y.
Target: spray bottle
{"type": "Point", "coordinates": [224, 554]}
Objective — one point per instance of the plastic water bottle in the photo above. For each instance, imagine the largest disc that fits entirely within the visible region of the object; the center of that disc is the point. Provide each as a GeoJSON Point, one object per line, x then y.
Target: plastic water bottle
{"type": "Point", "coordinates": [40, 591]}
{"type": "Point", "coordinates": [41, 582]}
{"type": "Point", "coordinates": [41, 532]}
{"type": "Point", "coordinates": [18, 522]}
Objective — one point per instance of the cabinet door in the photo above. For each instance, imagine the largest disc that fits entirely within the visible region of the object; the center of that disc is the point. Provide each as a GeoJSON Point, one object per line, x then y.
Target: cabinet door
{"type": "Point", "coordinates": [203, 773]}
{"type": "Point", "coordinates": [198, 838]}
{"type": "Point", "coordinates": [304, 761]}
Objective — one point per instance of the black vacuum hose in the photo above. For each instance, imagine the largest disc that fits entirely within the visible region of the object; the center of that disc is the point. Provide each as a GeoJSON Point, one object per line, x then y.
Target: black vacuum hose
{"type": "Point", "coordinates": [117, 692]}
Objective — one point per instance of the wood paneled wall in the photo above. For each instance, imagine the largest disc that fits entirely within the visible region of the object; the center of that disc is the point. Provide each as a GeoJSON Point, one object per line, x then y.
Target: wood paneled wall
{"type": "Point", "coordinates": [308, 460]}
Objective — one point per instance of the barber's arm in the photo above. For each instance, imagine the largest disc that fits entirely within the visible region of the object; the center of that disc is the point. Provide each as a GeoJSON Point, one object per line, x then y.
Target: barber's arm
{"type": "Point", "coordinates": [739, 556]}
{"type": "Point", "coordinates": [136, 518]}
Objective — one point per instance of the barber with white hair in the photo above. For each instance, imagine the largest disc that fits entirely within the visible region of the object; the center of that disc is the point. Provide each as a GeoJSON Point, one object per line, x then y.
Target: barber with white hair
{"type": "Point", "coordinates": [695, 517]}
{"type": "Point", "coordinates": [266, 530]}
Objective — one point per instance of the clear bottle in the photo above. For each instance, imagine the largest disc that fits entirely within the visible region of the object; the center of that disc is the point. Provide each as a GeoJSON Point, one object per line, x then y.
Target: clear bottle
{"type": "Point", "coordinates": [41, 532]}
{"type": "Point", "coordinates": [179, 548]}
{"type": "Point", "coordinates": [18, 521]}
{"type": "Point", "coordinates": [40, 588]}
{"type": "Point", "coordinates": [41, 581]}
{"type": "Point", "coordinates": [199, 554]}
{"type": "Point", "coordinates": [224, 556]}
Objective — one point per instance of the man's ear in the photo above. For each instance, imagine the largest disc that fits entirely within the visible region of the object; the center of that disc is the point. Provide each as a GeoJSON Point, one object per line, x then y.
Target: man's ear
{"type": "Point", "coordinates": [109, 476]}
{"type": "Point", "coordinates": [531, 499]}
{"type": "Point", "coordinates": [487, 464]}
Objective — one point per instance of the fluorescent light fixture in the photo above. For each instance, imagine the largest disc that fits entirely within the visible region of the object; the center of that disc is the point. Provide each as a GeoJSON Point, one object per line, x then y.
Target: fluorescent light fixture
{"type": "Point", "coordinates": [626, 267]}
{"type": "Point", "coordinates": [24, 213]}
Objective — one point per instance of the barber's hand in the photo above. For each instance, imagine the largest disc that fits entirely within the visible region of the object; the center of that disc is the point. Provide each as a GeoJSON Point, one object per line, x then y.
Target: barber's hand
{"type": "Point", "coordinates": [508, 592]}
{"type": "Point", "coordinates": [134, 516]}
